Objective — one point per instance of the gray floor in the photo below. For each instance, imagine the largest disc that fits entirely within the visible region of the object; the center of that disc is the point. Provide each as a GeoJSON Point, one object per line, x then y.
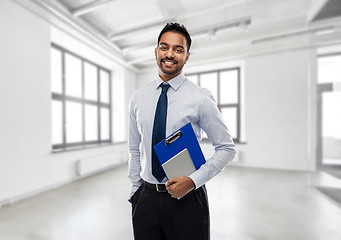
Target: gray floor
{"type": "Point", "coordinates": [245, 204]}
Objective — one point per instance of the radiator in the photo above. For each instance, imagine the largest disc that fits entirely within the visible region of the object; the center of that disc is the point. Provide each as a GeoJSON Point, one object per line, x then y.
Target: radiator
{"type": "Point", "coordinates": [94, 164]}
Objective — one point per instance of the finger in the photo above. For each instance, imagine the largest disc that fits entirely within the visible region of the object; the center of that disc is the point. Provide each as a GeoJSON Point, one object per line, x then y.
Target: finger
{"type": "Point", "coordinates": [170, 181]}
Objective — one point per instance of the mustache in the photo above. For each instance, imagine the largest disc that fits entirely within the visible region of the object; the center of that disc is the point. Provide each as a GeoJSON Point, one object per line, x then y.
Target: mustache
{"type": "Point", "coordinates": [169, 59]}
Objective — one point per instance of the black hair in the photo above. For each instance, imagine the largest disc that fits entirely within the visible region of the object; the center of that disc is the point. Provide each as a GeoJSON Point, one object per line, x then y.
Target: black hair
{"type": "Point", "coordinates": [176, 27]}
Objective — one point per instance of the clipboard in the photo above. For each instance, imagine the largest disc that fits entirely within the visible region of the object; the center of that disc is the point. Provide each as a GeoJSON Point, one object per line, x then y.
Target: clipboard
{"type": "Point", "coordinates": [175, 151]}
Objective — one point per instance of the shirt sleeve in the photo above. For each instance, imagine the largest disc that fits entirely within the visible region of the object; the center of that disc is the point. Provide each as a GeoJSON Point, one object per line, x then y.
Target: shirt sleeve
{"type": "Point", "coordinates": [134, 166]}
{"type": "Point", "coordinates": [211, 121]}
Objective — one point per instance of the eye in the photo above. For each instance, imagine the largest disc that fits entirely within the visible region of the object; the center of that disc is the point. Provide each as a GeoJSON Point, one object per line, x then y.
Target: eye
{"type": "Point", "coordinates": [179, 50]}
{"type": "Point", "coordinates": [163, 48]}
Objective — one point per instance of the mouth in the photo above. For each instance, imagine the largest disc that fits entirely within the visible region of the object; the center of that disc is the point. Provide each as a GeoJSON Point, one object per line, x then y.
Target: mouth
{"type": "Point", "coordinates": [169, 63]}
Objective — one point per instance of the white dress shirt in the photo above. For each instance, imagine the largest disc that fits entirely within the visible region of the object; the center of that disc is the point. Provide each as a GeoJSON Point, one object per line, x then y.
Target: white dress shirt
{"type": "Point", "coordinates": [187, 102]}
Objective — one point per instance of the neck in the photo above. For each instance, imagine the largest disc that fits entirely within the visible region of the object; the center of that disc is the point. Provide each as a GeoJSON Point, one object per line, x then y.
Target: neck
{"type": "Point", "coordinates": [167, 77]}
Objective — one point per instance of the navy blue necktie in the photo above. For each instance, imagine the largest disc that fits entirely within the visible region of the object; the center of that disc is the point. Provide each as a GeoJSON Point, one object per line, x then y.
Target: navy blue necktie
{"type": "Point", "coordinates": [159, 131]}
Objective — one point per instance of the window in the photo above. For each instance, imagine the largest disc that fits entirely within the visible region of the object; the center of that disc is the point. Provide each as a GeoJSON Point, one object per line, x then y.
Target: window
{"type": "Point", "coordinates": [81, 101]}
{"type": "Point", "coordinates": [225, 87]}
{"type": "Point", "coordinates": [329, 70]}
{"type": "Point", "coordinates": [328, 108]}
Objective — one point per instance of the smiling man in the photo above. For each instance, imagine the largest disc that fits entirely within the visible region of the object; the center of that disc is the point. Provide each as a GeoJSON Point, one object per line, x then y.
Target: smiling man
{"type": "Point", "coordinates": [171, 54]}
{"type": "Point", "coordinates": [178, 208]}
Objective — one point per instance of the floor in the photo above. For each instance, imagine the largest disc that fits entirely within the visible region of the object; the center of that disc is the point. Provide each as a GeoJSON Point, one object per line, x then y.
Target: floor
{"type": "Point", "coordinates": [245, 204]}
{"type": "Point", "coordinates": [334, 169]}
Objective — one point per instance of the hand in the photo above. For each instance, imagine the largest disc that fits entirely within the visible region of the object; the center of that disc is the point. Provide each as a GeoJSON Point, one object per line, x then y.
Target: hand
{"type": "Point", "coordinates": [179, 186]}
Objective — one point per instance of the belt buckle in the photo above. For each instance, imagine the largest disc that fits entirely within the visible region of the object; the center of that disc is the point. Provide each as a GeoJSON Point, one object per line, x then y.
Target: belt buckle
{"type": "Point", "coordinates": [158, 189]}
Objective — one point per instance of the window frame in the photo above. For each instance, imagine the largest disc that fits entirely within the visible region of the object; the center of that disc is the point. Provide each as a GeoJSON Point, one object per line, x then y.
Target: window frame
{"type": "Point", "coordinates": [63, 98]}
{"type": "Point", "coordinates": [221, 106]}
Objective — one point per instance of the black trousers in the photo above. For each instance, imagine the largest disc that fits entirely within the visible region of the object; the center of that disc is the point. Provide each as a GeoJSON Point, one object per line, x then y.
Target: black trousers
{"type": "Point", "coordinates": [158, 216]}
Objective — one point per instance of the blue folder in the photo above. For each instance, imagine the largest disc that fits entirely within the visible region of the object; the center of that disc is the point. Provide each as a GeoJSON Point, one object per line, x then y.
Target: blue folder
{"type": "Point", "coordinates": [184, 138]}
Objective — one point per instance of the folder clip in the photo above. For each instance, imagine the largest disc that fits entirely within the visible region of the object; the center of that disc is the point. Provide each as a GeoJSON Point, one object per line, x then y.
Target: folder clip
{"type": "Point", "coordinates": [173, 138]}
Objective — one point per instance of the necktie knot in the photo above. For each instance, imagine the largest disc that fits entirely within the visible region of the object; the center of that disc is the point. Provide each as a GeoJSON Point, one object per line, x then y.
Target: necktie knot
{"type": "Point", "coordinates": [165, 87]}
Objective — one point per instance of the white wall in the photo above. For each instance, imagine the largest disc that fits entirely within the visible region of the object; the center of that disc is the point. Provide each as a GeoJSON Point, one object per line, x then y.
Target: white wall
{"type": "Point", "coordinates": [279, 107]}
{"type": "Point", "coordinates": [278, 91]}
{"type": "Point", "coordinates": [27, 165]}
{"type": "Point", "coordinates": [146, 76]}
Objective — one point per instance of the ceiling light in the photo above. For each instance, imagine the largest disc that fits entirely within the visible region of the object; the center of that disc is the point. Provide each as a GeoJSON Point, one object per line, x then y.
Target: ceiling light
{"type": "Point", "coordinates": [326, 31]}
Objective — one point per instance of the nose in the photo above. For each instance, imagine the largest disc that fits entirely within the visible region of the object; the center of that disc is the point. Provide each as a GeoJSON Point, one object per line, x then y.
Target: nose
{"type": "Point", "coordinates": [170, 53]}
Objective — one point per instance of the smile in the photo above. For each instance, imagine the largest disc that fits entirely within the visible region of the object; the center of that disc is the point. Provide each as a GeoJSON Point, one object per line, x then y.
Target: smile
{"type": "Point", "coordinates": [169, 63]}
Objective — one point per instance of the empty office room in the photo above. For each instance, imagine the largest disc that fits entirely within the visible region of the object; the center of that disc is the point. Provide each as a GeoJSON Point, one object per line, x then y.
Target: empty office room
{"type": "Point", "coordinates": [71, 73]}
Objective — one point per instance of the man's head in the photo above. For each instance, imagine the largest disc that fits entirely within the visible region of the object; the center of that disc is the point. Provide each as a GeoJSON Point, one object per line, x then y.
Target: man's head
{"type": "Point", "coordinates": [176, 27]}
{"type": "Point", "coordinates": [172, 51]}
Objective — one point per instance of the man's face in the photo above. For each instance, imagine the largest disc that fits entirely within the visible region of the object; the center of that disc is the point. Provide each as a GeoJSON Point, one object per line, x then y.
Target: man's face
{"type": "Point", "coordinates": [171, 55]}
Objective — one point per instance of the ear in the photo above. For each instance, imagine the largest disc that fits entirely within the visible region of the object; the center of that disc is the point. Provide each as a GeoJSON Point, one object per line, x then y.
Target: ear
{"type": "Point", "coordinates": [187, 56]}
{"type": "Point", "coordinates": [155, 52]}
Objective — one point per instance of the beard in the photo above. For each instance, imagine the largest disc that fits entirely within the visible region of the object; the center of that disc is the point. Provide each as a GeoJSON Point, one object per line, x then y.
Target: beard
{"type": "Point", "coordinates": [169, 71]}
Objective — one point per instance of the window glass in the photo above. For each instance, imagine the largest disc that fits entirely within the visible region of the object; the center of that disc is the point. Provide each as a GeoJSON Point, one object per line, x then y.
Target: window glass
{"type": "Point", "coordinates": [81, 101]}
{"type": "Point", "coordinates": [194, 78]}
{"type": "Point", "coordinates": [225, 88]}
{"type": "Point", "coordinates": [57, 122]}
{"type": "Point", "coordinates": [56, 71]}
{"type": "Point", "coordinates": [209, 81]}
{"type": "Point", "coordinates": [230, 118]}
{"type": "Point", "coordinates": [228, 87]}
{"type": "Point", "coordinates": [329, 69]}
{"type": "Point", "coordinates": [331, 115]}
{"type": "Point", "coordinates": [104, 76]}
{"type": "Point", "coordinates": [74, 125]}
{"type": "Point", "coordinates": [73, 76]}
{"type": "Point", "coordinates": [90, 82]}
{"type": "Point", "coordinates": [105, 124]}
{"type": "Point", "coordinates": [91, 122]}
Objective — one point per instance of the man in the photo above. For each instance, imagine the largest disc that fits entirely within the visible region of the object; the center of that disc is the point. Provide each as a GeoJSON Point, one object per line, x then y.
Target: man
{"type": "Point", "coordinates": [178, 208]}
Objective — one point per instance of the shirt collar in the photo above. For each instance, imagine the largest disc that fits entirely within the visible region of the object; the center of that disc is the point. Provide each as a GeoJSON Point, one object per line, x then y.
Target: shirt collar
{"type": "Point", "coordinates": [175, 83]}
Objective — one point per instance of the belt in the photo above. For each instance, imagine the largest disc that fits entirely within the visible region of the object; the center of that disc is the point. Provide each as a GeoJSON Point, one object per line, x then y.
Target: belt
{"type": "Point", "coordinates": [155, 187]}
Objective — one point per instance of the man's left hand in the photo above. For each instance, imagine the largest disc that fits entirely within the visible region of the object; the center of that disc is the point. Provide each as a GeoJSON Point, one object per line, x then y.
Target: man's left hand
{"type": "Point", "coordinates": [179, 186]}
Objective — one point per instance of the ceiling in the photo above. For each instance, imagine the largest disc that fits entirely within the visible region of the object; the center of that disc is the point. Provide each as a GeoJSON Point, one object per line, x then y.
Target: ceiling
{"type": "Point", "coordinates": [220, 29]}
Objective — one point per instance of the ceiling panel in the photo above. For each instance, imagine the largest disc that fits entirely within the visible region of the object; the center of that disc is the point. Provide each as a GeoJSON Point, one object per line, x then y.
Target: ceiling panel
{"type": "Point", "coordinates": [218, 27]}
{"type": "Point", "coordinates": [75, 3]}
{"type": "Point", "coordinates": [122, 15]}
{"type": "Point", "coordinates": [332, 8]}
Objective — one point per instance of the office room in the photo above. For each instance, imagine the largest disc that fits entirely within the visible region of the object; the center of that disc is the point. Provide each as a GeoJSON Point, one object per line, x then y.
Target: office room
{"type": "Point", "coordinates": [68, 70]}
